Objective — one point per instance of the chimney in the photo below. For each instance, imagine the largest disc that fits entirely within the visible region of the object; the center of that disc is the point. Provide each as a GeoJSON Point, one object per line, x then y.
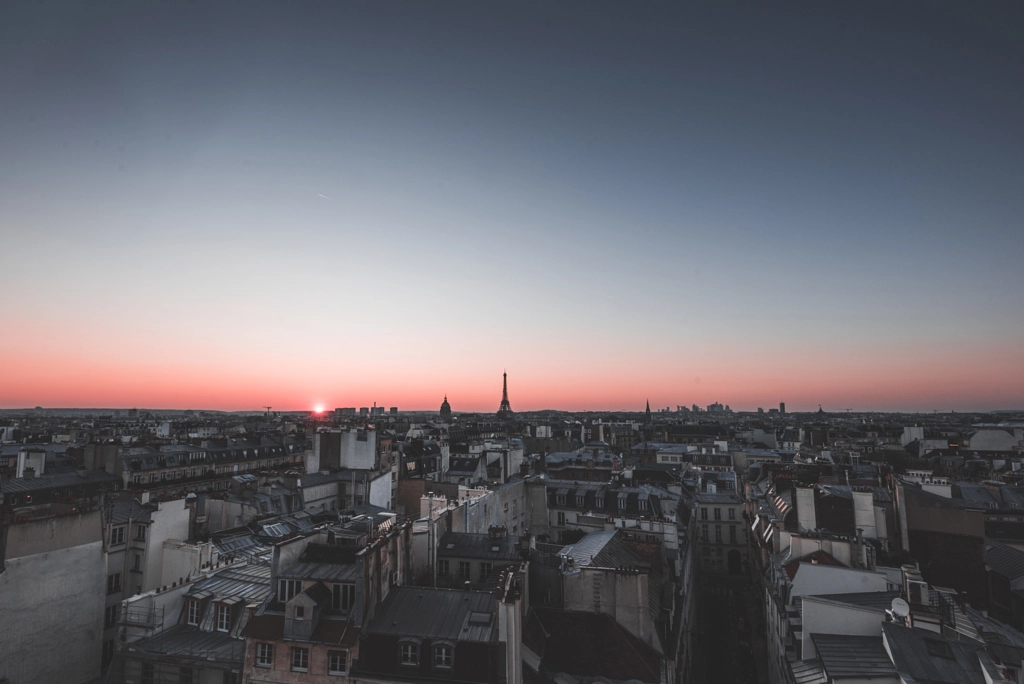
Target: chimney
{"type": "Point", "coordinates": [28, 472]}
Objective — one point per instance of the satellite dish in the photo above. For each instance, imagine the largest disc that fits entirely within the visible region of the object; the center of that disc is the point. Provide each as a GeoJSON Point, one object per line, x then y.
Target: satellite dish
{"type": "Point", "coordinates": [900, 608]}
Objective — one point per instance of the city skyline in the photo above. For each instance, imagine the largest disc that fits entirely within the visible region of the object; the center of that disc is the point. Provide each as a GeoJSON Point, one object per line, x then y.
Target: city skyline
{"type": "Point", "coordinates": [221, 205]}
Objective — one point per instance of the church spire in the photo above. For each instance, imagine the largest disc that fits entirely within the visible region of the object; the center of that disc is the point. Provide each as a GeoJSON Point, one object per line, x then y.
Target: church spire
{"type": "Point", "coordinates": [648, 410]}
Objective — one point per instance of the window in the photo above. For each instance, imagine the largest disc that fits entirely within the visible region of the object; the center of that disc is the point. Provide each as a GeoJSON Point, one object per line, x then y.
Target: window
{"type": "Point", "coordinates": [718, 514]}
{"type": "Point", "coordinates": [561, 518]}
{"type": "Point", "coordinates": [443, 656]}
{"type": "Point", "coordinates": [287, 589]}
{"type": "Point", "coordinates": [344, 596]}
{"type": "Point", "coordinates": [111, 616]}
{"type": "Point", "coordinates": [718, 533]}
{"type": "Point", "coordinates": [579, 501]}
{"type": "Point", "coordinates": [114, 583]}
{"type": "Point", "coordinates": [703, 514]}
{"type": "Point", "coordinates": [137, 562]}
{"type": "Point", "coordinates": [704, 532]}
{"type": "Point", "coordinates": [140, 533]}
{"type": "Point", "coordinates": [185, 675]}
{"type": "Point", "coordinates": [732, 514]}
{"type": "Point", "coordinates": [485, 570]}
{"type": "Point", "coordinates": [442, 568]}
{"type": "Point", "coordinates": [223, 617]}
{"type": "Point", "coordinates": [560, 499]}
{"type": "Point", "coordinates": [622, 503]}
{"type": "Point", "coordinates": [108, 651]}
{"type": "Point", "coordinates": [409, 654]}
{"type": "Point", "coordinates": [147, 673]}
{"type": "Point", "coordinates": [300, 659]}
{"type": "Point", "coordinates": [643, 504]}
{"type": "Point", "coordinates": [264, 655]}
{"type": "Point", "coordinates": [732, 534]}
{"type": "Point", "coordinates": [599, 503]}
{"type": "Point", "coordinates": [300, 612]}
{"type": "Point", "coordinates": [336, 662]}
{"type": "Point", "coordinates": [193, 613]}
{"type": "Point", "coordinates": [117, 536]}
{"type": "Point", "coordinates": [463, 570]}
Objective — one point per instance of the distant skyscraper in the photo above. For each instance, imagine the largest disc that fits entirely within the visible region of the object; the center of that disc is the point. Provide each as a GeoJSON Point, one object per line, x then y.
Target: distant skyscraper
{"type": "Point", "coordinates": [782, 407]}
{"type": "Point", "coordinates": [446, 410]}
{"type": "Point", "coordinates": [505, 410]}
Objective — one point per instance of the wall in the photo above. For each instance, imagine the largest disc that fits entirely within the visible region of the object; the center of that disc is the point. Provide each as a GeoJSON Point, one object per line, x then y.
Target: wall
{"type": "Point", "coordinates": [170, 521]}
{"type": "Point", "coordinates": [814, 580]}
{"type": "Point", "coordinates": [823, 617]}
{"type": "Point", "coordinates": [51, 601]}
{"type": "Point", "coordinates": [380, 491]}
{"type": "Point", "coordinates": [620, 594]}
{"type": "Point", "coordinates": [358, 453]}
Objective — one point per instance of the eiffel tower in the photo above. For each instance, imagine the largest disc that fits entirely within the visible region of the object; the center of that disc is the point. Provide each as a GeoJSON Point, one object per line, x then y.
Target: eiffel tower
{"type": "Point", "coordinates": [505, 410]}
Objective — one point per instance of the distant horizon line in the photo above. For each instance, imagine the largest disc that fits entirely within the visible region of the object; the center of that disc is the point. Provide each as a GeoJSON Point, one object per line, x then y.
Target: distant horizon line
{"type": "Point", "coordinates": [326, 412]}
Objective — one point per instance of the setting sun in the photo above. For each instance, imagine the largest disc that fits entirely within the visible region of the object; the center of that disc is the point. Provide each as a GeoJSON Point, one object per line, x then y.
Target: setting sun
{"type": "Point", "coordinates": [319, 408]}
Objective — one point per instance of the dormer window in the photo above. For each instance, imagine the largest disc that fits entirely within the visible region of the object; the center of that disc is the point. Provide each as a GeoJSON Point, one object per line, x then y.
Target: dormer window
{"type": "Point", "coordinates": [643, 504]}
{"type": "Point", "coordinates": [300, 612]}
{"type": "Point", "coordinates": [192, 616]}
{"type": "Point", "coordinates": [409, 653]}
{"type": "Point", "coordinates": [343, 596]}
{"type": "Point", "coordinates": [117, 536]}
{"type": "Point", "coordinates": [223, 617]}
{"type": "Point", "coordinates": [560, 499]}
{"type": "Point", "coordinates": [579, 501]}
{"type": "Point", "coordinates": [599, 503]}
{"type": "Point", "coordinates": [443, 656]}
{"type": "Point", "coordinates": [288, 589]}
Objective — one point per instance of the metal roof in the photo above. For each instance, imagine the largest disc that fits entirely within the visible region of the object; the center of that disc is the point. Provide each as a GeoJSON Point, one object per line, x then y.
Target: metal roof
{"type": "Point", "coordinates": [250, 582]}
{"type": "Point", "coordinates": [843, 655]}
{"type": "Point", "coordinates": [327, 572]}
{"type": "Point", "coordinates": [187, 641]}
{"type": "Point", "coordinates": [872, 600]}
{"type": "Point", "coordinates": [453, 614]}
{"type": "Point", "coordinates": [927, 657]}
{"type": "Point", "coordinates": [1004, 559]}
{"type": "Point", "coordinates": [603, 550]}
{"type": "Point", "coordinates": [57, 481]}
{"type": "Point", "coordinates": [481, 546]}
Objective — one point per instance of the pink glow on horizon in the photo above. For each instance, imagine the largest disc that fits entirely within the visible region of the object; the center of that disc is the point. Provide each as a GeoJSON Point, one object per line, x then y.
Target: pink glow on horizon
{"type": "Point", "coordinates": [902, 379]}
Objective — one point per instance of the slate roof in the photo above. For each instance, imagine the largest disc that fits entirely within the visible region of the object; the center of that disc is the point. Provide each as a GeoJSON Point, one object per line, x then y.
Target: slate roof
{"type": "Point", "coordinates": [481, 546]}
{"type": "Point", "coordinates": [607, 651]}
{"type": "Point", "coordinates": [453, 614]}
{"type": "Point", "coordinates": [844, 656]}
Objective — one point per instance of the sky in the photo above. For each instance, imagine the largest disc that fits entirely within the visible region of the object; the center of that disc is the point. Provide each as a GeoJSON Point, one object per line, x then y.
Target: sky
{"type": "Point", "coordinates": [229, 205]}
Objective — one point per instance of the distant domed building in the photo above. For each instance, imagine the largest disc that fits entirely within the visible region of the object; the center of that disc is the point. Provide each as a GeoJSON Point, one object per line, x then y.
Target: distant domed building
{"type": "Point", "coordinates": [446, 410]}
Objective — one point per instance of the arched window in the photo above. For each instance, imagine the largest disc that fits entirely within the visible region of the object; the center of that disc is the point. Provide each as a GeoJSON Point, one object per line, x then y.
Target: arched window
{"type": "Point", "coordinates": [409, 653]}
{"type": "Point", "coordinates": [444, 656]}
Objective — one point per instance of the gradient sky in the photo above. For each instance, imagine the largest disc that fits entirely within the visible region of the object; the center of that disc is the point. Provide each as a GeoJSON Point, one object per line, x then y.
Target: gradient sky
{"type": "Point", "coordinates": [229, 205]}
